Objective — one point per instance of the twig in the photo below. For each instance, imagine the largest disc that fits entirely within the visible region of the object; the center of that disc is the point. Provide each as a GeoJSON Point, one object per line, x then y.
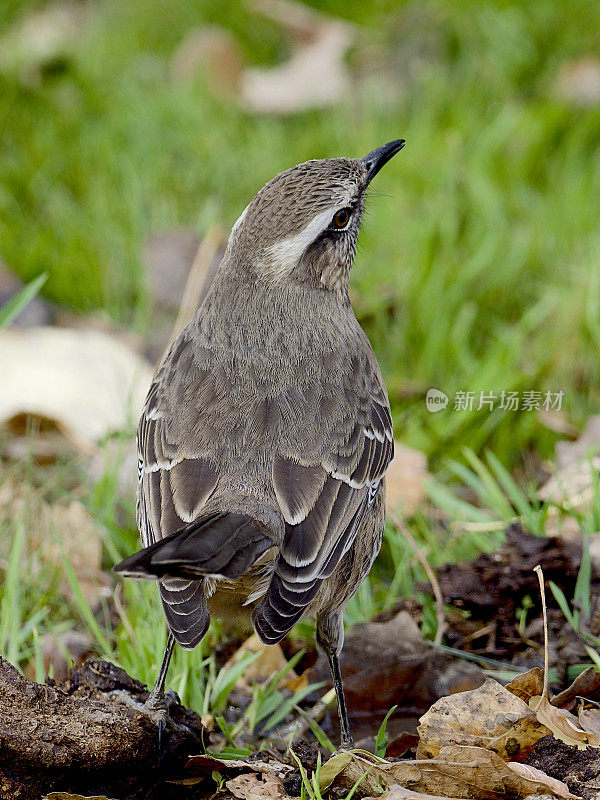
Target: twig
{"type": "Point", "coordinates": [437, 592]}
{"type": "Point", "coordinates": [544, 695]}
{"type": "Point", "coordinates": [199, 274]}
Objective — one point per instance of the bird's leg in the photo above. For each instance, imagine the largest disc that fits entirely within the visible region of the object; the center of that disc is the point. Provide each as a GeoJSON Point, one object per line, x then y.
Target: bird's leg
{"type": "Point", "coordinates": [330, 638]}
{"type": "Point", "coordinates": [347, 742]}
{"type": "Point", "coordinates": [156, 705]}
{"type": "Point", "coordinates": [156, 698]}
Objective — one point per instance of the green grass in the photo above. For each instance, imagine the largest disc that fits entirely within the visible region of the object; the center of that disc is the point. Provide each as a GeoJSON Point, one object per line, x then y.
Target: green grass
{"type": "Point", "coordinates": [478, 268]}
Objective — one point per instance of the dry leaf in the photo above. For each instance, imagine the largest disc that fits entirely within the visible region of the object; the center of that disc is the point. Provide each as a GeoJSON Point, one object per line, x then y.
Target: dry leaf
{"type": "Point", "coordinates": [528, 684]}
{"type": "Point", "coordinates": [389, 663]}
{"type": "Point", "coordinates": [458, 772]}
{"type": "Point", "coordinates": [210, 763]}
{"type": "Point", "coordinates": [537, 776]}
{"type": "Point", "coordinates": [586, 684]}
{"type": "Point", "coordinates": [256, 787]}
{"type": "Point", "coordinates": [405, 480]}
{"type": "Point", "coordinates": [563, 725]}
{"type": "Point", "coordinates": [589, 719]}
{"type": "Point", "coordinates": [319, 44]}
{"type": "Point", "coordinates": [270, 661]}
{"type": "Point", "coordinates": [490, 716]}
{"type": "Point", "coordinates": [208, 722]}
{"type": "Point", "coordinates": [295, 682]}
{"type": "Point", "coordinates": [397, 792]}
{"type": "Point", "coordinates": [87, 382]}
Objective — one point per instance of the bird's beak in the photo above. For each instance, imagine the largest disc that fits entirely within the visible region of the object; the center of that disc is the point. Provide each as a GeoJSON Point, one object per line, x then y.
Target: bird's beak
{"type": "Point", "coordinates": [375, 160]}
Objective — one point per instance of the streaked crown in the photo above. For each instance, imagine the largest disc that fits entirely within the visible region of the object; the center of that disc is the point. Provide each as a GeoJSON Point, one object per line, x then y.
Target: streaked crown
{"type": "Point", "coordinates": [303, 225]}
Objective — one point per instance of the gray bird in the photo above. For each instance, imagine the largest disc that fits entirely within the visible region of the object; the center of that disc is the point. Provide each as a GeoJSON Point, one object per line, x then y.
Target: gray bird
{"type": "Point", "coordinates": [266, 433]}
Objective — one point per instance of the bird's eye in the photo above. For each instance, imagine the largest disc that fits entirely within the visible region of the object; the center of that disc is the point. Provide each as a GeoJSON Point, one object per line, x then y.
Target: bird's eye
{"type": "Point", "coordinates": [341, 218]}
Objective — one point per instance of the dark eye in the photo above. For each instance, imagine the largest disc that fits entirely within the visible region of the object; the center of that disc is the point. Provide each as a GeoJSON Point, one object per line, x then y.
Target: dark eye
{"type": "Point", "coordinates": [341, 218]}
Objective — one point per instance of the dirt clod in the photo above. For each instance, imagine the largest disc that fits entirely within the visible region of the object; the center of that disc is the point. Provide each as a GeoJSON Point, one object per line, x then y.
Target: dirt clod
{"type": "Point", "coordinates": [579, 769]}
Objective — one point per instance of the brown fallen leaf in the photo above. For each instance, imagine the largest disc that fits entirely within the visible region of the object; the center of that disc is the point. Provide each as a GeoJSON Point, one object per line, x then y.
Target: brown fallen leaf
{"type": "Point", "coordinates": [397, 792]}
{"type": "Point", "coordinates": [490, 717]}
{"type": "Point", "coordinates": [527, 685]}
{"type": "Point", "coordinates": [405, 480]}
{"type": "Point", "coordinates": [389, 663]}
{"type": "Point", "coordinates": [458, 772]}
{"type": "Point", "coordinates": [586, 684]}
{"type": "Point", "coordinates": [270, 661]}
{"type": "Point", "coordinates": [530, 686]}
{"type": "Point", "coordinates": [253, 786]}
{"type": "Point", "coordinates": [563, 725]}
{"type": "Point", "coordinates": [399, 745]}
{"type": "Point", "coordinates": [203, 764]}
{"type": "Point", "coordinates": [589, 719]}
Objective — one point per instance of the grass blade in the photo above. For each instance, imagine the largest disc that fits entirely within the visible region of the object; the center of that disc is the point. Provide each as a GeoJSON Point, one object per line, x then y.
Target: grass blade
{"type": "Point", "coordinates": [13, 307]}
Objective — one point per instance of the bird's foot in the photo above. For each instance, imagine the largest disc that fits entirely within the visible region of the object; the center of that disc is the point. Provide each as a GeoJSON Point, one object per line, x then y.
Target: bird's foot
{"type": "Point", "coordinates": [157, 707]}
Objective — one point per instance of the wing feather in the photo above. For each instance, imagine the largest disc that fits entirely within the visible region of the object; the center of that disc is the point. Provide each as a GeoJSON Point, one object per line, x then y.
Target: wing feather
{"type": "Point", "coordinates": [328, 438]}
{"type": "Point", "coordinates": [320, 529]}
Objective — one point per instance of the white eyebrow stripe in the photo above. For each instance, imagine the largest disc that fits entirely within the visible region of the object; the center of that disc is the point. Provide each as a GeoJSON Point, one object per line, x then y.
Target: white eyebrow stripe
{"type": "Point", "coordinates": [286, 253]}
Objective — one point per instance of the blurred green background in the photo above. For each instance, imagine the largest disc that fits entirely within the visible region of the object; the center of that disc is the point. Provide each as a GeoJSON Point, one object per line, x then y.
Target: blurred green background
{"type": "Point", "coordinates": [479, 265]}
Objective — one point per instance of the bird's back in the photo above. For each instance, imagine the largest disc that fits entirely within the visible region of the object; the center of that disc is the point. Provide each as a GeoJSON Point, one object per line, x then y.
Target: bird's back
{"type": "Point", "coordinates": [267, 420]}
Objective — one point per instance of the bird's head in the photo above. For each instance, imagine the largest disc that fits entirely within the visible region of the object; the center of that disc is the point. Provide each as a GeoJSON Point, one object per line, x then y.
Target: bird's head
{"type": "Point", "coordinates": [302, 227]}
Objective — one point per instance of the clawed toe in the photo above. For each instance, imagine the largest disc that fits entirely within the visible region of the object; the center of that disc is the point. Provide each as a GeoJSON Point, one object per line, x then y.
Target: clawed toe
{"type": "Point", "coordinates": [157, 707]}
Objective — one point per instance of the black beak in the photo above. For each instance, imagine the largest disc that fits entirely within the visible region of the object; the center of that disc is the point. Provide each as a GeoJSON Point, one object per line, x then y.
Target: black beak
{"type": "Point", "coordinates": [375, 160]}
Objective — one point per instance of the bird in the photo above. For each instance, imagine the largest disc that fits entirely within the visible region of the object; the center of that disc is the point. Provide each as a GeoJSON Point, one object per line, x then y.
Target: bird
{"type": "Point", "coordinates": [267, 431]}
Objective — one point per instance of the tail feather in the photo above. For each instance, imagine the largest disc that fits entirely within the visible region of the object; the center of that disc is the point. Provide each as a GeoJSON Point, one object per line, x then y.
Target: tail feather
{"type": "Point", "coordinates": [184, 603]}
{"type": "Point", "coordinates": [221, 544]}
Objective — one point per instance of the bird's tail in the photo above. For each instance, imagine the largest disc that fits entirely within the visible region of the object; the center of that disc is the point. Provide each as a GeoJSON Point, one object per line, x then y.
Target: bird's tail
{"type": "Point", "coordinates": [224, 545]}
